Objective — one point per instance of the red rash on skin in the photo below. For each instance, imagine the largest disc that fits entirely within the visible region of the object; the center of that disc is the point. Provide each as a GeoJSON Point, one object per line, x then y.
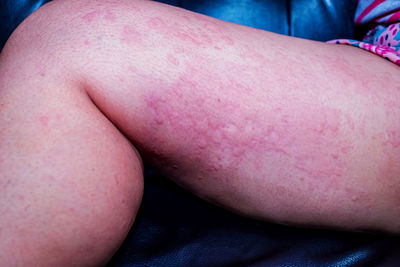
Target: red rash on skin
{"type": "Point", "coordinates": [116, 179]}
{"type": "Point", "coordinates": [228, 40]}
{"type": "Point", "coordinates": [27, 207]}
{"type": "Point", "coordinates": [44, 120]}
{"type": "Point", "coordinates": [155, 23]}
{"type": "Point", "coordinates": [88, 18]}
{"type": "Point", "coordinates": [372, 86]}
{"type": "Point", "coordinates": [220, 132]}
{"type": "Point", "coordinates": [5, 184]}
{"type": "Point", "coordinates": [171, 59]}
{"type": "Point", "coordinates": [191, 38]}
{"type": "Point", "coordinates": [109, 16]}
{"type": "Point", "coordinates": [132, 69]}
{"type": "Point", "coordinates": [204, 36]}
{"type": "Point", "coordinates": [350, 121]}
{"type": "Point", "coordinates": [357, 196]}
{"type": "Point", "coordinates": [393, 138]}
{"type": "Point", "coordinates": [130, 35]}
{"type": "Point", "coordinates": [179, 49]}
{"type": "Point", "coordinates": [250, 54]}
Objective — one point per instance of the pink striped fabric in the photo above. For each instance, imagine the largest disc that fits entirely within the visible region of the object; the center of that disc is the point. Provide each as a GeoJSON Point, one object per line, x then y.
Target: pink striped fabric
{"type": "Point", "coordinates": [383, 18]}
{"type": "Point", "coordinates": [377, 11]}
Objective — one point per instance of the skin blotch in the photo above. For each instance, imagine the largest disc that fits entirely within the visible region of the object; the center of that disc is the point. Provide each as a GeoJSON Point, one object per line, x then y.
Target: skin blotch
{"type": "Point", "coordinates": [350, 121]}
{"type": "Point", "coordinates": [89, 17]}
{"type": "Point", "coordinates": [130, 35]}
{"type": "Point", "coordinates": [250, 54]}
{"type": "Point", "coordinates": [393, 138]}
{"type": "Point", "coordinates": [132, 69]}
{"type": "Point", "coordinates": [220, 132]}
{"type": "Point", "coordinates": [155, 23]}
{"type": "Point", "coordinates": [355, 195]}
{"type": "Point", "coordinates": [173, 60]}
{"type": "Point", "coordinates": [116, 179]}
{"type": "Point", "coordinates": [44, 121]}
{"type": "Point", "coordinates": [110, 16]}
{"type": "Point", "coordinates": [59, 117]}
{"type": "Point", "coordinates": [206, 33]}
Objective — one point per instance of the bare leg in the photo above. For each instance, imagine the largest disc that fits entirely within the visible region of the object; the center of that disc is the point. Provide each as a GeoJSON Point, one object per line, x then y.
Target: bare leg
{"type": "Point", "coordinates": [270, 126]}
{"type": "Point", "coordinates": [70, 182]}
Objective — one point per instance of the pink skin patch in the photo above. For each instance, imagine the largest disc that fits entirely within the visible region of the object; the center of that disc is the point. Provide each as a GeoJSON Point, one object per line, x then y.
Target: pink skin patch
{"type": "Point", "coordinates": [155, 23]}
{"type": "Point", "coordinates": [59, 116]}
{"type": "Point", "coordinates": [221, 133]}
{"type": "Point", "coordinates": [132, 69]}
{"type": "Point", "coordinates": [2, 106]}
{"type": "Point", "coordinates": [393, 138]}
{"type": "Point", "coordinates": [250, 54]}
{"type": "Point", "coordinates": [44, 120]}
{"type": "Point", "coordinates": [179, 50]}
{"type": "Point", "coordinates": [226, 140]}
{"type": "Point", "coordinates": [130, 35]}
{"type": "Point", "coordinates": [89, 17]}
{"type": "Point", "coordinates": [355, 196]}
{"type": "Point", "coordinates": [228, 40]}
{"type": "Point", "coordinates": [7, 183]}
{"type": "Point", "coordinates": [188, 19]}
{"type": "Point", "coordinates": [87, 43]}
{"type": "Point", "coordinates": [171, 59]}
{"type": "Point", "coordinates": [116, 179]}
{"type": "Point", "coordinates": [110, 16]}
{"type": "Point", "coordinates": [191, 38]}
{"type": "Point", "coordinates": [206, 35]}
{"type": "Point", "coordinates": [349, 121]}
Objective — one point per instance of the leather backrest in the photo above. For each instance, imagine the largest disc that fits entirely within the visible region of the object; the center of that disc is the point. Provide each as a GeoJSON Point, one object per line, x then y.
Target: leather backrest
{"type": "Point", "coordinates": [312, 19]}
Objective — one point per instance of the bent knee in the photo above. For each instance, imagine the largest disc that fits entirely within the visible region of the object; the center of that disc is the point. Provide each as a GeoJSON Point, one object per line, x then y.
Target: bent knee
{"type": "Point", "coordinates": [83, 175]}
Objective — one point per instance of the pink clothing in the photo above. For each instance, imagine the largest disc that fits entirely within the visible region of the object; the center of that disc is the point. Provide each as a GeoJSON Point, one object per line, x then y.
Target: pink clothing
{"type": "Point", "coordinates": [383, 17]}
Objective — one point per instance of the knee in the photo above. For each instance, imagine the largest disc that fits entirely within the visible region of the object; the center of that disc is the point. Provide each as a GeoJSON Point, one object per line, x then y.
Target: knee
{"type": "Point", "coordinates": [36, 65]}
{"type": "Point", "coordinates": [81, 40]}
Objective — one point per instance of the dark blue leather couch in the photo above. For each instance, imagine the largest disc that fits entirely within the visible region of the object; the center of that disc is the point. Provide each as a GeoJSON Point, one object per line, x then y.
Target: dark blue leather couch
{"type": "Point", "coordinates": [174, 228]}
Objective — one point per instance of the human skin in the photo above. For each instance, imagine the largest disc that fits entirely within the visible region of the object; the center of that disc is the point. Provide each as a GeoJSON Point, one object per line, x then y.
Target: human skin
{"type": "Point", "coordinates": [272, 127]}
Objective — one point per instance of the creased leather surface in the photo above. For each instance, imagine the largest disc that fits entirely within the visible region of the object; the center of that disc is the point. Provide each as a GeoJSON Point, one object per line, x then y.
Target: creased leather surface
{"type": "Point", "coordinates": [174, 228]}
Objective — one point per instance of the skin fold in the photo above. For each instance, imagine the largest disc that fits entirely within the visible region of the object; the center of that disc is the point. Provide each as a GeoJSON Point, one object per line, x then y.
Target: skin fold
{"type": "Point", "coordinates": [272, 127]}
